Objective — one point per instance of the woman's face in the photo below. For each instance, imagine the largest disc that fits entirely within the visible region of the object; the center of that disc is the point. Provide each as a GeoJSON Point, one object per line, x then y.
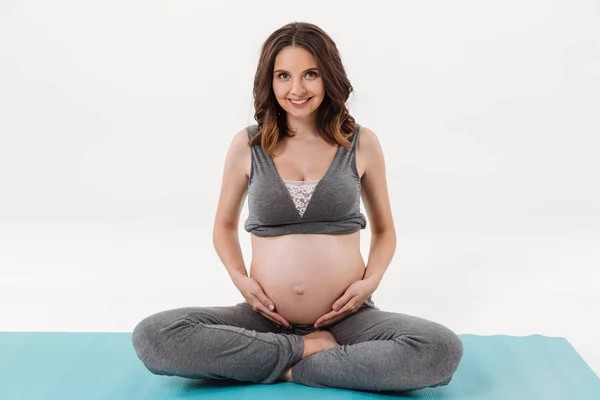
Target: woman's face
{"type": "Point", "coordinates": [296, 77]}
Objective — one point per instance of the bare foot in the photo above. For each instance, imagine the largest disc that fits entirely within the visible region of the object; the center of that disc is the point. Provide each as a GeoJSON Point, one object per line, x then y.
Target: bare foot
{"type": "Point", "coordinates": [313, 343]}
{"type": "Point", "coordinates": [287, 375]}
{"type": "Point", "coordinates": [317, 341]}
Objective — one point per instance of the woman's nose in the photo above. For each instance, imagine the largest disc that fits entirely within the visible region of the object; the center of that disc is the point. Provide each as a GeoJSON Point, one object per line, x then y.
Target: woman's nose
{"type": "Point", "coordinates": [298, 88]}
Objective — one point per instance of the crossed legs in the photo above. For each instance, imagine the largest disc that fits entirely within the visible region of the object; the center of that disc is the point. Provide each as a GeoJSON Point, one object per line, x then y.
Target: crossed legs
{"type": "Point", "coordinates": [377, 350]}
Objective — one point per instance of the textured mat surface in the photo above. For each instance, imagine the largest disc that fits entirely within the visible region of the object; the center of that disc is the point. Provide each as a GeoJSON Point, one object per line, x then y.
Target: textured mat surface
{"type": "Point", "coordinates": [89, 366]}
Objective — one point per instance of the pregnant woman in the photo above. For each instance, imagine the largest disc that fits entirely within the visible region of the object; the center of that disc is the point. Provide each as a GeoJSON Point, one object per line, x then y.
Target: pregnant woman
{"type": "Point", "coordinates": [308, 315]}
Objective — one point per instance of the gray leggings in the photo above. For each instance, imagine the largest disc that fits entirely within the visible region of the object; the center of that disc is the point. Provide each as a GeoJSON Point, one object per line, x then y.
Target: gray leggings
{"type": "Point", "coordinates": [379, 351]}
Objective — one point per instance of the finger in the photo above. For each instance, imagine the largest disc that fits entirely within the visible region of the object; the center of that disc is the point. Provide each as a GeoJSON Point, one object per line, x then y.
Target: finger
{"type": "Point", "coordinates": [350, 306]}
{"type": "Point", "coordinates": [259, 305]}
{"type": "Point", "coordinates": [280, 319]}
{"type": "Point", "coordinates": [273, 316]}
{"type": "Point", "coordinates": [336, 316]}
{"type": "Point", "coordinates": [260, 308]}
{"type": "Point", "coordinates": [325, 318]}
{"type": "Point", "coordinates": [341, 302]}
{"type": "Point", "coordinates": [273, 320]}
{"type": "Point", "coordinates": [266, 301]}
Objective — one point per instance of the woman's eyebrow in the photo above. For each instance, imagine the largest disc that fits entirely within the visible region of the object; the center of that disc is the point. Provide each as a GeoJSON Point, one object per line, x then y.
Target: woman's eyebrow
{"type": "Point", "coordinates": [306, 70]}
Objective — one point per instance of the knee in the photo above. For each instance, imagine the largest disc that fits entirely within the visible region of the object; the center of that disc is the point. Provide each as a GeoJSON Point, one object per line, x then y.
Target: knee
{"type": "Point", "coordinates": [449, 350]}
{"type": "Point", "coordinates": [151, 343]}
{"type": "Point", "coordinates": [143, 339]}
{"type": "Point", "coordinates": [438, 351]}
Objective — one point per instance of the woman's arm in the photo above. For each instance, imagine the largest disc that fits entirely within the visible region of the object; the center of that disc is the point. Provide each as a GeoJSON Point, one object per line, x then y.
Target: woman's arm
{"type": "Point", "coordinates": [234, 189]}
{"type": "Point", "coordinates": [227, 245]}
{"type": "Point", "coordinates": [377, 204]}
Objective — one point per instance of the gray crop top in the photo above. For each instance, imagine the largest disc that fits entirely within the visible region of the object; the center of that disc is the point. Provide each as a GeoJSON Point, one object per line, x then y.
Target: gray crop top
{"type": "Point", "coordinates": [332, 208]}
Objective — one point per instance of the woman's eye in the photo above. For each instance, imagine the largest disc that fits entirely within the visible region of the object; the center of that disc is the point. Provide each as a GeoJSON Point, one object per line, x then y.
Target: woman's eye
{"type": "Point", "coordinates": [281, 75]}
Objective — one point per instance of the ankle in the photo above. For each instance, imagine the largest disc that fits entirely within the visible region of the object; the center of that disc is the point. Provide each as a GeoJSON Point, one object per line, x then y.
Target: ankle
{"type": "Point", "coordinates": [287, 375]}
{"type": "Point", "coordinates": [310, 347]}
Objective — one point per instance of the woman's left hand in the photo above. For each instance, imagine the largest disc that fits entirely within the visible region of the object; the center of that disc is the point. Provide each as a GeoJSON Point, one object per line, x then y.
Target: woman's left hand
{"type": "Point", "coordinates": [354, 296]}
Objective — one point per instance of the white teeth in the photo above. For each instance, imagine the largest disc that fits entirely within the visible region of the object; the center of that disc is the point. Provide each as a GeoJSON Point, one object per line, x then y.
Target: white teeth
{"type": "Point", "coordinates": [299, 102]}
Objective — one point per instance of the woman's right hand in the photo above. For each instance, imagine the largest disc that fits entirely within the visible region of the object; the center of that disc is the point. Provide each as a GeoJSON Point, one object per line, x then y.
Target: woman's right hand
{"type": "Point", "coordinates": [258, 300]}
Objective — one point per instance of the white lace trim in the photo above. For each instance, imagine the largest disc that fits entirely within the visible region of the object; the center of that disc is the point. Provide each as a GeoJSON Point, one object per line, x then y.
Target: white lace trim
{"type": "Point", "coordinates": [301, 192]}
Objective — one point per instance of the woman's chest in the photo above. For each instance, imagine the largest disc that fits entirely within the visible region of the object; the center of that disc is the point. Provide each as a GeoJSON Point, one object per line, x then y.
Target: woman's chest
{"type": "Point", "coordinates": [306, 162]}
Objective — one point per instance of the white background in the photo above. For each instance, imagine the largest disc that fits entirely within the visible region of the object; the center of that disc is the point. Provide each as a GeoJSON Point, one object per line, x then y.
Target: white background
{"type": "Point", "coordinates": [116, 118]}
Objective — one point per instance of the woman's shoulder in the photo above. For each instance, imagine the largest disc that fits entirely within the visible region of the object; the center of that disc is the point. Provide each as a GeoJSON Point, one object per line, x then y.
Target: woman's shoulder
{"type": "Point", "coordinates": [365, 134]}
{"type": "Point", "coordinates": [368, 144]}
{"type": "Point", "coordinates": [251, 130]}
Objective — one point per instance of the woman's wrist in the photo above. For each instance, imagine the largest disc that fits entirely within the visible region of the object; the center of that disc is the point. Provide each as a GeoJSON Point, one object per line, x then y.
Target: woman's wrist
{"type": "Point", "coordinates": [373, 281]}
{"type": "Point", "coordinates": [236, 276]}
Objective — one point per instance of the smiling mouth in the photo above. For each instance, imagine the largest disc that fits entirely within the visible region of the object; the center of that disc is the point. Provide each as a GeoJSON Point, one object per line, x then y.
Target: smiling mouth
{"type": "Point", "coordinates": [300, 101]}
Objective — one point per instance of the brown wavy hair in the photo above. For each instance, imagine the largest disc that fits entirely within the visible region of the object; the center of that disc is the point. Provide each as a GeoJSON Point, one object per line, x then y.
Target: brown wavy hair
{"type": "Point", "coordinates": [334, 122]}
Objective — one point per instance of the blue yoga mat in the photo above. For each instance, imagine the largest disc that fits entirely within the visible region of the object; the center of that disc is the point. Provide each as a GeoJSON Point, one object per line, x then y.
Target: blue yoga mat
{"type": "Point", "coordinates": [89, 366]}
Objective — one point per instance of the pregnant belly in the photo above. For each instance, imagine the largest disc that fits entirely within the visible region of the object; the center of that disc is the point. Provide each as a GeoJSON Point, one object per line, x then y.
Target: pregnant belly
{"type": "Point", "coordinates": [304, 274]}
